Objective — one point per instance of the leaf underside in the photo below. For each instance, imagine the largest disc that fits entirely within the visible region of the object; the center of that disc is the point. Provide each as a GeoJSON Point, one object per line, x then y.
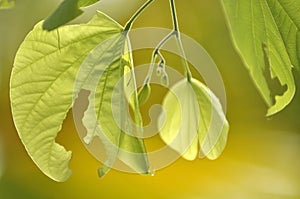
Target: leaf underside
{"type": "Point", "coordinates": [42, 87]}
{"type": "Point", "coordinates": [266, 35]}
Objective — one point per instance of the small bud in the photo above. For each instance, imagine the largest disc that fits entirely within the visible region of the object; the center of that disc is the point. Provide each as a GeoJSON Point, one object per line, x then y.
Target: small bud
{"type": "Point", "coordinates": [161, 64]}
{"type": "Point", "coordinates": [160, 68]}
{"type": "Point", "coordinates": [158, 71]}
{"type": "Point", "coordinates": [144, 94]}
{"type": "Point", "coordinates": [164, 79]}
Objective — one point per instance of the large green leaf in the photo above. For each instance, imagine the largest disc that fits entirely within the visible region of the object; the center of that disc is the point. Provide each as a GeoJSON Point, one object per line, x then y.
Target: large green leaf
{"type": "Point", "coordinates": [107, 115]}
{"type": "Point", "coordinates": [193, 116]}
{"type": "Point", "coordinates": [42, 86]}
{"type": "Point", "coordinates": [266, 34]}
{"type": "Point", "coordinates": [5, 4]}
{"type": "Point", "coordinates": [66, 11]}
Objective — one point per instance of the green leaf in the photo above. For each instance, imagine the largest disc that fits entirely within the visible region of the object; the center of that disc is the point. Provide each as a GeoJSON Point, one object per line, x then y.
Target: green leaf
{"type": "Point", "coordinates": [266, 35]}
{"type": "Point", "coordinates": [133, 154]}
{"type": "Point", "coordinates": [107, 115]}
{"type": "Point", "coordinates": [42, 87]}
{"type": "Point", "coordinates": [66, 11]}
{"type": "Point", "coordinates": [6, 4]}
{"type": "Point", "coordinates": [85, 3]}
{"type": "Point", "coordinates": [193, 117]}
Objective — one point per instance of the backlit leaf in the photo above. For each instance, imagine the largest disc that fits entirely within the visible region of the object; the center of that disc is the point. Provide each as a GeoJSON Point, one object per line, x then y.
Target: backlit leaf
{"type": "Point", "coordinates": [66, 11]}
{"type": "Point", "coordinates": [42, 87]}
{"type": "Point", "coordinates": [266, 34]}
{"type": "Point", "coordinates": [107, 115]}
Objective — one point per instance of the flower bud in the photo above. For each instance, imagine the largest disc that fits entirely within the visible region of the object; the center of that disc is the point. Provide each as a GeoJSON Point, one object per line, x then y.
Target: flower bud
{"type": "Point", "coordinates": [144, 94]}
{"type": "Point", "coordinates": [165, 79]}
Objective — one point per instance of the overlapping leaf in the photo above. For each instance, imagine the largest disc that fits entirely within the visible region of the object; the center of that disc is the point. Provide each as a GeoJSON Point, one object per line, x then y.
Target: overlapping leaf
{"type": "Point", "coordinates": [266, 34]}
{"type": "Point", "coordinates": [42, 87]}
{"type": "Point", "coordinates": [66, 11]}
{"type": "Point", "coordinates": [107, 116]}
{"type": "Point", "coordinates": [193, 117]}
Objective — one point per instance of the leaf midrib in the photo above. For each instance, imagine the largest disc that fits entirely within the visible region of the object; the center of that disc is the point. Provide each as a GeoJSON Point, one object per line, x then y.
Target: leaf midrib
{"type": "Point", "coordinates": [43, 94]}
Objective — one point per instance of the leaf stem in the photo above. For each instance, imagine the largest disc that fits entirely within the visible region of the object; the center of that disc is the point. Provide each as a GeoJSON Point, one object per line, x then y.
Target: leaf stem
{"type": "Point", "coordinates": [156, 53]}
{"type": "Point", "coordinates": [137, 114]}
{"type": "Point", "coordinates": [178, 39]}
{"type": "Point", "coordinates": [136, 15]}
{"type": "Point", "coordinates": [174, 15]}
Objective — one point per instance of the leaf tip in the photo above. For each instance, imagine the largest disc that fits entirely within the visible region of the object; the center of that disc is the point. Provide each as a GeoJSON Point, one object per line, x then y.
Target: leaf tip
{"type": "Point", "coordinates": [281, 101]}
{"type": "Point", "coordinates": [102, 171]}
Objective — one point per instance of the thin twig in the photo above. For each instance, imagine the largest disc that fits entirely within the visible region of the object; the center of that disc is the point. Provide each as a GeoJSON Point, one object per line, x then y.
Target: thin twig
{"type": "Point", "coordinates": [156, 53]}
{"type": "Point", "coordinates": [178, 39]}
{"type": "Point", "coordinates": [136, 15]}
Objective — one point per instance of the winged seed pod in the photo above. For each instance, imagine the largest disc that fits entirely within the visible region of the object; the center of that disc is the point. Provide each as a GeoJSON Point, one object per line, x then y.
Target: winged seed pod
{"type": "Point", "coordinates": [158, 71]}
{"type": "Point", "coordinates": [193, 122]}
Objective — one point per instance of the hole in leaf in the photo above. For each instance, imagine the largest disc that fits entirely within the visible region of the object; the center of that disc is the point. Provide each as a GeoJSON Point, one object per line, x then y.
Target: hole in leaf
{"type": "Point", "coordinates": [273, 82]}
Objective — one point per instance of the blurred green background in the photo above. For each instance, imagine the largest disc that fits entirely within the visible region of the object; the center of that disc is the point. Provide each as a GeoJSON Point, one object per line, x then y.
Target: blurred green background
{"type": "Point", "coordinates": [262, 157]}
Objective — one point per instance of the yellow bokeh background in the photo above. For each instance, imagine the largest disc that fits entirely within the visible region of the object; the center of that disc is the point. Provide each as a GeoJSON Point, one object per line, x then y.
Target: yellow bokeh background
{"type": "Point", "coordinates": [262, 157]}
